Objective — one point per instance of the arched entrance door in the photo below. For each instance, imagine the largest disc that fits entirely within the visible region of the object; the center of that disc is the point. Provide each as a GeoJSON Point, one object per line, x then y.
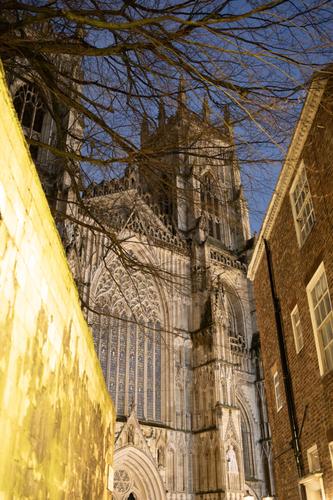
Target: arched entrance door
{"type": "Point", "coordinates": [136, 476]}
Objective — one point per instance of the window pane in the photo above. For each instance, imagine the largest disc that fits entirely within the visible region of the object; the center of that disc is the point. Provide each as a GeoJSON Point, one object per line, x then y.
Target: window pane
{"type": "Point", "coordinates": [297, 329]}
{"type": "Point", "coordinates": [329, 356]}
{"type": "Point", "coordinates": [321, 306]}
{"type": "Point", "coordinates": [303, 208]}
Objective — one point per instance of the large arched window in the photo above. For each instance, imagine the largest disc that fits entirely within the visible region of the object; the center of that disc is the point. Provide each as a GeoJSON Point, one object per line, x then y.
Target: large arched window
{"type": "Point", "coordinates": [130, 357]}
{"type": "Point", "coordinates": [31, 112]}
{"type": "Point", "coordinates": [127, 337]}
{"type": "Point", "coordinates": [212, 207]}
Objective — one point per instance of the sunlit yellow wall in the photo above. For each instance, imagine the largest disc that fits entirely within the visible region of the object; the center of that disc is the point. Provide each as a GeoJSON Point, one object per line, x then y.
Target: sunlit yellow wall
{"type": "Point", "coordinates": [56, 417]}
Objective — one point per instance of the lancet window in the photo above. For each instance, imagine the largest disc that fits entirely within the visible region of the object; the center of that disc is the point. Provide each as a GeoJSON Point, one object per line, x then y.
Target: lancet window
{"type": "Point", "coordinates": [235, 325]}
{"type": "Point", "coordinates": [31, 112]}
{"type": "Point", "coordinates": [212, 207]}
{"type": "Point", "coordinates": [247, 447]}
{"type": "Point", "coordinates": [232, 324]}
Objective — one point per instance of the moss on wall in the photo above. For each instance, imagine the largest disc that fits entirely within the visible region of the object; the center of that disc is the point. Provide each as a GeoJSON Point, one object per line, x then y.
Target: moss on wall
{"type": "Point", "coordinates": [56, 416]}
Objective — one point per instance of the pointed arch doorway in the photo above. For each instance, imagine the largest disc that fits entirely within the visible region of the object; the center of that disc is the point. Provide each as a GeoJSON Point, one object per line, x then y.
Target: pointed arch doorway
{"type": "Point", "coordinates": [136, 476]}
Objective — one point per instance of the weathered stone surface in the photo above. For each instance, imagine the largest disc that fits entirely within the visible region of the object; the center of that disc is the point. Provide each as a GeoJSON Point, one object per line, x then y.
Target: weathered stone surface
{"type": "Point", "coordinates": [56, 416]}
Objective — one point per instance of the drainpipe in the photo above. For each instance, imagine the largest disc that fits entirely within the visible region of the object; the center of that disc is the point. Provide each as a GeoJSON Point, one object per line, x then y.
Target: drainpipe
{"type": "Point", "coordinates": [295, 443]}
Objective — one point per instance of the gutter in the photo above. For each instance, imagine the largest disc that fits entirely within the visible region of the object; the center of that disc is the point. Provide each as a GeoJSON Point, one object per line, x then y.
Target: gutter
{"type": "Point", "coordinates": [295, 442]}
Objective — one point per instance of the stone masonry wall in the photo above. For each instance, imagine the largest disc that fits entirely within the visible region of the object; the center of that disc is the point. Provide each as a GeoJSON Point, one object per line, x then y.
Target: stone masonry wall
{"type": "Point", "coordinates": [293, 268]}
{"type": "Point", "coordinates": [56, 417]}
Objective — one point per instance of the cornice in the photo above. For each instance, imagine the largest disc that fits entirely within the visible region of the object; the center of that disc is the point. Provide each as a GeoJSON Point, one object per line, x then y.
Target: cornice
{"type": "Point", "coordinates": [299, 138]}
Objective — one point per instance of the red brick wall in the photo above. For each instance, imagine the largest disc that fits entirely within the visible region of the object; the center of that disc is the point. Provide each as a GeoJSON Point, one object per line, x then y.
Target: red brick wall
{"type": "Point", "coordinates": [293, 268]}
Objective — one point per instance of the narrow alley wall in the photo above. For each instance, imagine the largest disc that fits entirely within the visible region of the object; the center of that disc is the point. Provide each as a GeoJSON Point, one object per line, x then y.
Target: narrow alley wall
{"type": "Point", "coordinates": [56, 416]}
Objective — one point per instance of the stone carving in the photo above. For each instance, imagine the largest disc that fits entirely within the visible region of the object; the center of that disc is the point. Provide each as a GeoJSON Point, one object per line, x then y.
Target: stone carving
{"type": "Point", "coordinates": [227, 261]}
{"type": "Point", "coordinates": [161, 456]}
{"type": "Point", "coordinates": [121, 481]}
{"type": "Point", "coordinates": [203, 223]}
{"type": "Point", "coordinates": [232, 460]}
{"type": "Point", "coordinates": [218, 300]}
{"type": "Point", "coordinates": [130, 435]}
{"type": "Point", "coordinates": [232, 468]}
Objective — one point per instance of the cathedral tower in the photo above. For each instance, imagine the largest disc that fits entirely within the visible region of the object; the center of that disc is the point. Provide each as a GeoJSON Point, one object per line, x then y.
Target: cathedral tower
{"type": "Point", "coordinates": [176, 344]}
{"type": "Point", "coordinates": [172, 313]}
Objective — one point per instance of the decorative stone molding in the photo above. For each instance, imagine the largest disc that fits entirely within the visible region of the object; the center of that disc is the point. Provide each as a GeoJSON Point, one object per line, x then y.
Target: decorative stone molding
{"type": "Point", "coordinates": [227, 261]}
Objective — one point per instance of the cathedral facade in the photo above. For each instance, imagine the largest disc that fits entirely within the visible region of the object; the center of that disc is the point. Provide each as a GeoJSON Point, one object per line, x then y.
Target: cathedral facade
{"type": "Point", "coordinates": [172, 313]}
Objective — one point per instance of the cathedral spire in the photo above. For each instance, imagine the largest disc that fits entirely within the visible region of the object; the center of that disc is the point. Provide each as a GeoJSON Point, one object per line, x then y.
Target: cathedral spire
{"type": "Point", "coordinates": [205, 110]}
{"type": "Point", "coordinates": [181, 98]}
{"type": "Point", "coordinates": [228, 127]}
{"type": "Point", "coordinates": [161, 113]}
{"type": "Point", "coordinates": [144, 129]}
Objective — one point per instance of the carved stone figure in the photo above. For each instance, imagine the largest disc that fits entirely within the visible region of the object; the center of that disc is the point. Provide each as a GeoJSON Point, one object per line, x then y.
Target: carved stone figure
{"type": "Point", "coordinates": [161, 456]}
{"type": "Point", "coordinates": [130, 435]}
{"type": "Point", "coordinates": [232, 460]}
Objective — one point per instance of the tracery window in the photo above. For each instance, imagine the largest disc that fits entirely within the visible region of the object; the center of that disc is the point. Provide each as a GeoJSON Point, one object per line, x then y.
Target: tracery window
{"type": "Point", "coordinates": [232, 325]}
{"type": "Point", "coordinates": [127, 337]}
{"type": "Point", "coordinates": [30, 111]}
{"type": "Point", "coordinates": [235, 326]}
{"type": "Point", "coordinates": [130, 356]}
{"type": "Point", "coordinates": [212, 207]}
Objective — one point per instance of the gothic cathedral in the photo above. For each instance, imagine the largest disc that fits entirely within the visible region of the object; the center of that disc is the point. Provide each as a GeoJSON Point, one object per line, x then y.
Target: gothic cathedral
{"type": "Point", "coordinates": [172, 313]}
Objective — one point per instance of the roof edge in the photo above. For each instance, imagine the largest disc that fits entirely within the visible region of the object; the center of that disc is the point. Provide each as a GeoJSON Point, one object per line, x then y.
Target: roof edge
{"type": "Point", "coordinates": [295, 149]}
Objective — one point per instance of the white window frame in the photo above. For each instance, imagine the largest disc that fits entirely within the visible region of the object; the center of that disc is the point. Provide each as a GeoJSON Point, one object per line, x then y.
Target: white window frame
{"type": "Point", "coordinates": [297, 329]}
{"type": "Point", "coordinates": [324, 366]}
{"type": "Point", "coordinates": [310, 454]}
{"type": "Point", "coordinates": [277, 390]}
{"type": "Point", "coordinates": [306, 205]}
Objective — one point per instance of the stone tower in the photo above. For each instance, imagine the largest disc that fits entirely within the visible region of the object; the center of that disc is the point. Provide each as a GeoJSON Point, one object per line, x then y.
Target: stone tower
{"type": "Point", "coordinates": [177, 343]}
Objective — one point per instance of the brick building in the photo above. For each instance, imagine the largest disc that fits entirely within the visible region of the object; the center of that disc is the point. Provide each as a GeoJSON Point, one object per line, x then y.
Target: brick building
{"type": "Point", "coordinates": [292, 270]}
